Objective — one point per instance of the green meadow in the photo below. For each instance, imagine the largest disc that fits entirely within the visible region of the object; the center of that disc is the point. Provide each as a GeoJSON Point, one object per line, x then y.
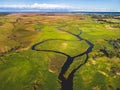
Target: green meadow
{"type": "Point", "coordinates": [22, 68]}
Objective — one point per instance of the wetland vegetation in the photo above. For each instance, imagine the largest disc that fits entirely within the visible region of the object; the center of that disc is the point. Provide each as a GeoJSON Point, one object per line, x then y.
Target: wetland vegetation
{"type": "Point", "coordinates": [58, 51]}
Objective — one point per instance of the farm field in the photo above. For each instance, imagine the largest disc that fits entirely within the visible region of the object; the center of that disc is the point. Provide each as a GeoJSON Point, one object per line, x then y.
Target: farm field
{"type": "Point", "coordinates": [59, 51]}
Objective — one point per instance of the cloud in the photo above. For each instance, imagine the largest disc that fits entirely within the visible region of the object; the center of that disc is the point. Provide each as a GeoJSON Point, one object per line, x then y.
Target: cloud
{"type": "Point", "coordinates": [37, 6]}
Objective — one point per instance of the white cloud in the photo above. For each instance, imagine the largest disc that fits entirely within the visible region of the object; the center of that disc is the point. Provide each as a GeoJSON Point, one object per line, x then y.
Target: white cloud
{"type": "Point", "coordinates": [37, 5]}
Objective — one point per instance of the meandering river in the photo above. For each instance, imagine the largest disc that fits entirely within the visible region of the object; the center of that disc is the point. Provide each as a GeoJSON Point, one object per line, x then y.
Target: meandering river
{"type": "Point", "coordinates": [67, 83]}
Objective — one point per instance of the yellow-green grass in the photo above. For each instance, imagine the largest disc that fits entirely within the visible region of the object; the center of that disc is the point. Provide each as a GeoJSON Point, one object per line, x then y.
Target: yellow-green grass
{"type": "Point", "coordinates": [25, 69]}
{"type": "Point", "coordinates": [71, 48]}
{"type": "Point", "coordinates": [22, 73]}
{"type": "Point", "coordinates": [97, 73]}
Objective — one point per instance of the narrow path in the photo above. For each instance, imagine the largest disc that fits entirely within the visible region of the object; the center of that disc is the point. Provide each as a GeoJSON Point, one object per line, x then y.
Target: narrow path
{"type": "Point", "coordinates": [67, 83]}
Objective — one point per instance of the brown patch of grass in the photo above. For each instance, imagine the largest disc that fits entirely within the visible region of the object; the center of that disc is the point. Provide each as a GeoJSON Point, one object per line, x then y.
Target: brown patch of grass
{"type": "Point", "coordinates": [56, 63]}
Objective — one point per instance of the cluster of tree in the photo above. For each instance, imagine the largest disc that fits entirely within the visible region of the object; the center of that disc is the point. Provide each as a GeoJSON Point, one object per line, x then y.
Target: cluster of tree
{"type": "Point", "coordinates": [95, 16]}
{"type": "Point", "coordinates": [115, 70]}
{"type": "Point", "coordinates": [110, 53]}
{"type": "Point", "coordinates": [115, 43]}
{"type": "Point", "coordinates": [103, 19]}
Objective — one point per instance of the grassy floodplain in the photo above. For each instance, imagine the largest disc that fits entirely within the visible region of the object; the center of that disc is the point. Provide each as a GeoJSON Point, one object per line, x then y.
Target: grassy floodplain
{"type": "Point", "coordinates": [22, 68]}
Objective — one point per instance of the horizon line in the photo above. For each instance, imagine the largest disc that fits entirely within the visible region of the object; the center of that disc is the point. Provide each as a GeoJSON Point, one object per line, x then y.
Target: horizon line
{"type": "Point", "coordinates": [49, 6]}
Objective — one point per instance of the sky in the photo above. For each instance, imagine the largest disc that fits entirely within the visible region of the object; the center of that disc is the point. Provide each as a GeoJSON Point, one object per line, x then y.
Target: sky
{"type": "Point", "coordinates": [72, 5]}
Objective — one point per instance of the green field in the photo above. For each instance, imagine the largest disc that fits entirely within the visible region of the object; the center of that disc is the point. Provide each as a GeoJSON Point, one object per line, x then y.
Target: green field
{"type": "Point", "coordinates": [34, 48]}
